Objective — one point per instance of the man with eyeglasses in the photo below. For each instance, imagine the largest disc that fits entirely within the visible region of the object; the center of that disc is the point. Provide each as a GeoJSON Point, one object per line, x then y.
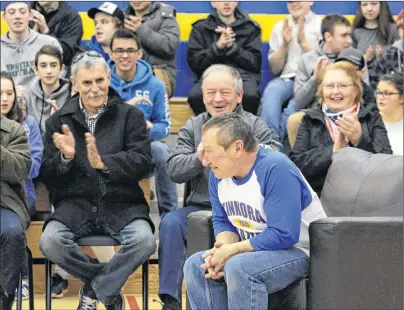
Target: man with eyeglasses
{"type": "Point", "coordinates": [133, 79]}
{"type": "Point", "coordinates": [97, 149]}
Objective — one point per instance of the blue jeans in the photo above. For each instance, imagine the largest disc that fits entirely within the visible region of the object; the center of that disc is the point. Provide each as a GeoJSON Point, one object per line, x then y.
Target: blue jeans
{"type": "Point", "coordinates": [166, 190]}
{"type": "Point", "coordinates": [12, 249]}
{"type": "Point", "coordinates": [137, 245]}
{"type": "Point", "coordinates": [248, 279]}
{"type": "Point", "coordinates": [172, 251]}
{"type": "Point", "coordinates": [276, 93]}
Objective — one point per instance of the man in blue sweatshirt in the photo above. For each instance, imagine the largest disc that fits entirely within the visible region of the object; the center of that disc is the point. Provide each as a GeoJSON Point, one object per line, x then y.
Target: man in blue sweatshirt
{"type": "Point", "coordinates": [262, 207]}
{"type": "Point", "coordinates": [133, 79]}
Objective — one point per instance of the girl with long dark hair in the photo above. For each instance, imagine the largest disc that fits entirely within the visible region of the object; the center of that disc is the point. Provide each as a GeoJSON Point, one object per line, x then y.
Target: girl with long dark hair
{"type": "Point", "coordinates": [12, 110]}
{"type": "Point", "coordinates": [374, 29]}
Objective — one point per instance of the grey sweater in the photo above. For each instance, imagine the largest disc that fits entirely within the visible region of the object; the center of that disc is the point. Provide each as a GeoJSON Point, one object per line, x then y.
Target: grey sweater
{"type": "Point", "coordinates": [15, 166]}
{"type": "Point", "coordinates": [159, 36]}
{"type": "Point", "coordinates": [364, 37]}
{"type": "Point", "coordinates": [304, 88]}
{"type": "Point", "coordinates": [36, 106]}
{"type": "Point", "coordinates": [183, 164]}
{"type": "Point", "coordinates": [17, 58]}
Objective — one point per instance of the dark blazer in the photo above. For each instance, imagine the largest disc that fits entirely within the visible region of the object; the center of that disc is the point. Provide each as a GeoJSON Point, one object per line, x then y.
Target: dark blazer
{"type": "Point", "coordinates": [124, 145]}
{"type": "Point", "coordinates": [244, 55]}
{"type": "Point", "coordinates": [313, 149]}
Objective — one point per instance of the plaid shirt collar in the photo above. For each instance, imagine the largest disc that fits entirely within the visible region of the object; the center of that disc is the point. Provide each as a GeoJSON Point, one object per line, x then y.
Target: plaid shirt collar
{"type": "Point", "coordinates": [91, 116]}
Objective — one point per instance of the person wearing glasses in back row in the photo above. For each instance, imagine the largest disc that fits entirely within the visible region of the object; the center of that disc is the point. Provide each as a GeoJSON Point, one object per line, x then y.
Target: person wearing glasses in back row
{"type": "Point", "coordinates": [340, 121]}
{"type": "Point", "coordinates": [134, 81]}
{"type": "Point", "coordinates": [390, 99]}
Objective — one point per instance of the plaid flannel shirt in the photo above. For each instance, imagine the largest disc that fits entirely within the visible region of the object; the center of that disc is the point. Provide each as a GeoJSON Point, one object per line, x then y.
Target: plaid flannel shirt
{"type": "Point", "coordinates": [386, 64]}
{"type": "Point", "coordinates": [91, 121]}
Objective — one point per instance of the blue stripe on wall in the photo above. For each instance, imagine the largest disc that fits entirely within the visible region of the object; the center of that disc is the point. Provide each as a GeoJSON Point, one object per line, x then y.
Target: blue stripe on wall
{"type": "Point", "coordinates": [264, 7]}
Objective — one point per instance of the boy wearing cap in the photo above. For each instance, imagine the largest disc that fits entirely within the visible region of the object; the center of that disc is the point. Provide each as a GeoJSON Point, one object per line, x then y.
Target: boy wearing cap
{"type": "Point", "coordinates": [356, 58]}
{"type": "Point", "coordinates": [392, 59]}
{"type": "Point", "coordinates": [108, 18]}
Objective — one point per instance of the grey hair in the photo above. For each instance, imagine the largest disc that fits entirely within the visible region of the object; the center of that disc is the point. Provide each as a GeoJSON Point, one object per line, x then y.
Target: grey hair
{"type": "Point", "coordinates": [232, 127]}
{"type": "Point", "coordinates": [89, 62]}
{"type": "Point", "coordinates": [238, 81]}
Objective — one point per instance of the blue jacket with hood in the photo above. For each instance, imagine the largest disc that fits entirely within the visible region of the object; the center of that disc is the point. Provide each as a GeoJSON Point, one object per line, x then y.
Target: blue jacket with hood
{"type": "Point", "coordinates": [95, 46]}
{"type": "Point", "coordinates": [146, 84]}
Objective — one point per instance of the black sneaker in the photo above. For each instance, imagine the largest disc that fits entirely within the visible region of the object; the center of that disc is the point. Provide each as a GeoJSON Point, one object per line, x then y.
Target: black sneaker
{"type": "Point", "coordinates": [6, 301]}
{"type": "Point", "coordinates": [59, 286]}
{"type": "Point", "coordinates": [87, 303]}
{"type": "Point", "coordinates": [119, 304]}
{"type": "Point", "coordinates": [170, 303]}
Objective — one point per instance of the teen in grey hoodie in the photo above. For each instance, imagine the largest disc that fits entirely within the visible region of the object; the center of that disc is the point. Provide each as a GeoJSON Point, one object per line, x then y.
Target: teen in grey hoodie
{"type": "Point", "coordinates": [20, 44]}
{"type": "Point", "coordinates": [36, 104]}
{"type": "Point", "coordinates": [47, 88]}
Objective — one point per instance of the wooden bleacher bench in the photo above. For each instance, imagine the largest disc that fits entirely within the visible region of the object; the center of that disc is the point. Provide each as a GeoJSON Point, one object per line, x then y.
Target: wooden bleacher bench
{"type": "Point", "coordinates": [180, 112]}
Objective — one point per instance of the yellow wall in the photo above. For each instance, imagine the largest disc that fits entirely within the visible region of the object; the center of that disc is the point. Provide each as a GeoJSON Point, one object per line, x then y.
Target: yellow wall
{"type": "Point", "coordinates": [185, 21]}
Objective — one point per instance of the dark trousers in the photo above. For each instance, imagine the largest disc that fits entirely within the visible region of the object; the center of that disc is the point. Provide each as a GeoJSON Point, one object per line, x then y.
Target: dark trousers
{"type": "Point", "coordinates": [172, 248]}
{"type": "Point", "coordinates": [12, 249]}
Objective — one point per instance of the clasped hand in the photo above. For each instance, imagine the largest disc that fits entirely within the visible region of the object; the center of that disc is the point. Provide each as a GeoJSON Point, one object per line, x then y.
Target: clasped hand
{"type": "Point", "coordinates": [216, 258]}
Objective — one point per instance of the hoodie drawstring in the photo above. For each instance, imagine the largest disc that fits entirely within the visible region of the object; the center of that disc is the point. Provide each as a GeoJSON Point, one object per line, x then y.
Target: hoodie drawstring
{"type": "Point", "coordinates": [40, 119]}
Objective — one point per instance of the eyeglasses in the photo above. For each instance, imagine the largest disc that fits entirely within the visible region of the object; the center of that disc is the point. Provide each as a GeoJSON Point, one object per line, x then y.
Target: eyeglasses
{"type": "Point", "coordinates": [341, 86]}
{"type": "Point", "coordinates": [384, 95]}
{"type": "Point", "coordinates": [80, 56]}
{"type": "Point", "coordinates": [121, 51]}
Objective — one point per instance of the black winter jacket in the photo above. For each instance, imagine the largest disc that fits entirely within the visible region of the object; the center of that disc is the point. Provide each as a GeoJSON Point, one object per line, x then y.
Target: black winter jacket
{"type": "Point", "coordinates": [65, 25]}
{"type": "Point", "coordinates": [245, 53]}
{"type": "Point", "coordinates": [313, 148]}
{"type": "Point", "coordinates": [124, 145]}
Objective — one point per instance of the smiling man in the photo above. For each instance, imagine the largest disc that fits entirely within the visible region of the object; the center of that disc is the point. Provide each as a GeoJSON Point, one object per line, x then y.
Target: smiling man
{"type": "Point", "coordinates": [133, 79]}
{"type": "Point", "coordinates": [222, 89]}
{"type": "Point", "coordinates": [97, 149]}
{"type": "Point", "coordinates": [20, 44]}
{"type": "Point", "coordinates": [262, 207]}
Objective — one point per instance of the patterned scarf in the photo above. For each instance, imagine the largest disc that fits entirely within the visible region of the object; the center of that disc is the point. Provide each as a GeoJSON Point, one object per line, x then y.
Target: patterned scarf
{"type": "Point", "coordinates": [330, 118]}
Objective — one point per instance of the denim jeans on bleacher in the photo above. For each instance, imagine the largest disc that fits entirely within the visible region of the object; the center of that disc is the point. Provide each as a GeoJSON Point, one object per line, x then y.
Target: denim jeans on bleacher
{"type": "Point", "coordinates": [172, 251]}
{"type": "Point", "coordinates": [137, 245]}
{"type": "Point", "coordinates": [248, 279]}
{"type": "Point", "coordinates": [12, 249]}
{"type": "Point", "coordinates": [276, 93]}
{"type": "Point", "coordinates": [166, 190]}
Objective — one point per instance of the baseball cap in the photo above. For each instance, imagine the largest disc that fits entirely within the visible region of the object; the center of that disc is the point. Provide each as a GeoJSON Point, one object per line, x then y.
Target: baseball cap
{"type": "Point", "coordinates": [353, 56]}
{"type": "Point", "coordinates": [107, 8]}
